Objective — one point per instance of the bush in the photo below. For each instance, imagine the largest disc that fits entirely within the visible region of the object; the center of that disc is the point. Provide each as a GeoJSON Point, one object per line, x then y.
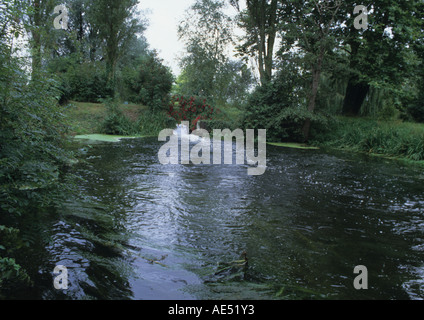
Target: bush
{"type": "Point", "coordinates": [276, 106]}
{"type": "Point", "coordinates": [33, 158]}
{"type": "Point", "coordinates": [148, 82]}
{"type": "Point", "coordinates": [116, 123]}
{"type": "Point", "coordinates": [193, 110]}
{"type": "Point", "coordinates": [83, 82]}
{"type": "Point", "coordinates": [12, 276]}
{"type": "Point", "coordinates": [151, 123]}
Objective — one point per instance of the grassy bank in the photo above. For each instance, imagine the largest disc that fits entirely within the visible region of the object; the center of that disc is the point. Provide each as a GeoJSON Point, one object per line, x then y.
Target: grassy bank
{"type": "Point", "coordinates": [394, 139]}
{"type": "Point", "coordinates": [131, 119]}
{"type": "Point", "coordinates": [87, 118]}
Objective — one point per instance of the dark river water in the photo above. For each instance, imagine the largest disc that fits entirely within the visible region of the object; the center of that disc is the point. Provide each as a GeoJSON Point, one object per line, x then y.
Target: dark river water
{"type": "Point", "coordinates": [142, 230]}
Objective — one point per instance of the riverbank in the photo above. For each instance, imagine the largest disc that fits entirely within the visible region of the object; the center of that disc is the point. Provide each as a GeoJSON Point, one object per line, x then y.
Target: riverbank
{"type": "Point", "coordinates": [388, 138]}
{"type": "Point", "coordinates": [133, 120]}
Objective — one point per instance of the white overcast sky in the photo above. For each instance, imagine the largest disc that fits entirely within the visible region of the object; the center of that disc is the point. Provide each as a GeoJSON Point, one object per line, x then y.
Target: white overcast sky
{"type": "Point", "coordinates": [164, 17]}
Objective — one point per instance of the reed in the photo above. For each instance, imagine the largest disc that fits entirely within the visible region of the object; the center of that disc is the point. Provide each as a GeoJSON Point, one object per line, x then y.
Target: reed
{"type": "Point", "coordinates": [389, 138]}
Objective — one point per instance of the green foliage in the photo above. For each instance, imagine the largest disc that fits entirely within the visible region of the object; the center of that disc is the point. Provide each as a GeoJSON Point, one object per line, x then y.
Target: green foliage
{"type": "Point", "coordinates": [116, 123]}
{"type": "Point", "coordinates": [33, 155]}
{"type": "Point", "coordinates": [377, 57]}
{"type": "Point", "coordinates": [11, 276]}
{"type": "Point", "coordinates": [143, 79]}
{"type": "Point", "coordinates": [280, 107]}
{"type": "Point", "coordinates": [210, 125]}
{"type": "Point", "coordinates": [10, 239]}
{"type": "Point", "coordinates": [84, 82]}
{"type": "Point", "coordinates": [147, 81]}
{"type": "Point", "coordinates": [416, 110]}
{"type": "Point", "coordinates": [259, 20]}
{"type": "Point", "coordinates": [389, 138]}
{"type": "Point", "coordinates": [102, 38]}
{"type": "Point", "coordinates": [33, 136]}
{"type": "Point", "coordinates": [207, 69]}
{"type": "Point", "coordinates": [151, 123]}
{"type": "Point", "coordinates": [11, 273]}
{"type": "Point", "coordinates": [117, 25]}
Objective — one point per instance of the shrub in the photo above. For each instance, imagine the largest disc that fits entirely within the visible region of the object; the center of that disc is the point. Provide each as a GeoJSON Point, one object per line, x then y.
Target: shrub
{"type": "Point", "coordinates": [116, 123]}
{"type": "Point", "coordinates": [151, 123]}
{"type": "Point", "coordinates": [33, 158]}
{"type": "Point", "coordinates": [83, 82]}
{"type": "Point", "coordinates": [275, 106]}
{"type": "Point", "coordinates": [148, 82]}
{"type": "Point", "coordinates": [192, 110]}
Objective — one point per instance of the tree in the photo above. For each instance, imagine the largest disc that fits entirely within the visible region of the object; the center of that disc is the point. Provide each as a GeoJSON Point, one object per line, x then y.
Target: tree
{"type": "Point", "coordinates": [308, 26]}
{"type": "Point", "coordinates": [82, 37]}
{"type": "Point", "coordinates": [38, 30]}
{"type": "Point", "coordinates": [207, 32]}
{"type": "Point", "coordinates": [10, 16]}
{"type": "Point", "coordinates": [278, 105]}
{"type": "Point", "coordinates": [117, 25]}
{"type": "Point", "coordinates": [378, 56]}
{"type": "Point", "coordinates": [147, 81]}
{"type": "Point", "coordinates": [260, 21]}
{"type": "Point", "coordinates": [415, 105]}
{"type": "Point", "coordinates": [234, 82]}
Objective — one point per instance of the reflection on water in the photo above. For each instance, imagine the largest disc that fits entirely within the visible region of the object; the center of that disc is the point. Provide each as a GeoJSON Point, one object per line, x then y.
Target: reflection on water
{"type": "Point", "coordinates": [141, 230]}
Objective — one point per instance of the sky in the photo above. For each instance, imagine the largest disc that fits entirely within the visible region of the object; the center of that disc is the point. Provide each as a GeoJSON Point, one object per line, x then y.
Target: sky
{"type": "Point", "coordinates": [164, 17]}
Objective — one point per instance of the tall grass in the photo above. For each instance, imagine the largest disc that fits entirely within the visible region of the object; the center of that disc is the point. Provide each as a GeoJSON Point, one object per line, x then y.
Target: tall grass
{"type": "Point", "coordinates": [389, 138]}
{"type": "Point", "coordinates": [151, 123]}
{"type": "Point", "coordinates": [147, 123]}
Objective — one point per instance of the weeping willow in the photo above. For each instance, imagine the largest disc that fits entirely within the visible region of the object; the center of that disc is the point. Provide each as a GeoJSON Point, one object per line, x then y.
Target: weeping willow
{"type": "Point", "coordinates": [374, 102]}
{"type": "Point", "coordinates": [379, 102]}
{"type": "Point", "coordinates": [331, 94]}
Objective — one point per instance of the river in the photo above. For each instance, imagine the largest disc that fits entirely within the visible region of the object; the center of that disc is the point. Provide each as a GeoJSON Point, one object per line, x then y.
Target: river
{"type": "Point", "coordinates": [142, 230]}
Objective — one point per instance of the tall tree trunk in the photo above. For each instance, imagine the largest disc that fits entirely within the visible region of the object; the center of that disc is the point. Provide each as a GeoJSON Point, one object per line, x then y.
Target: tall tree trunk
{"type": "Point", "coordinates": [261, 38]}
{"type": "Point", "coordinates": [316, 74]}
{"type": "Point", "coordinates": [112, 56]}
{"type": "Point", "coordinates": [265, 20]}
{"type": "Point", "coordinates": [36, 40]}
{"type": "Point", "coordinates": [35, 54]}
{"type": "Point", "coordinates": [261, 59]}
{"type": "Point", "coordinates": [269, 58]}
